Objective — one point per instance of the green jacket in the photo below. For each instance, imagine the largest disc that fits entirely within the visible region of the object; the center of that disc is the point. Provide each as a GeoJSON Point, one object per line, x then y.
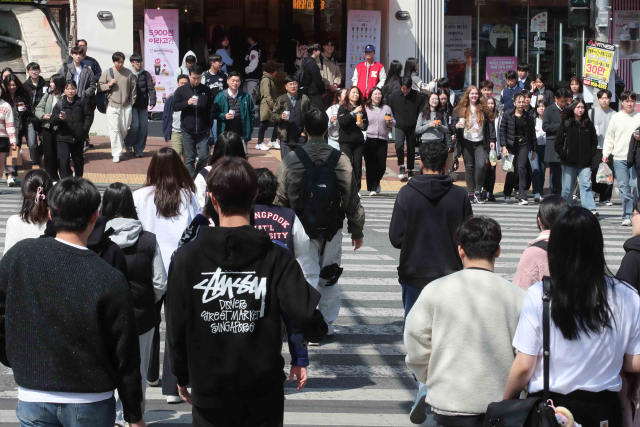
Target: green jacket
{"type": "Point", "coordinates": [278, 109]}
{"type": "Point", "coordinates": [45, 106]}
{"type": "Point", "coordinates": [247, 112]}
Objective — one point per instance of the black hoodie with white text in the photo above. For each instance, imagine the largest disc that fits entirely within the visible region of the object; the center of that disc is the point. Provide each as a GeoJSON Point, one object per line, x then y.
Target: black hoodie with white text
{"type": "Point", "coordinates": [225, 293]}
{"type": "Point", "coordinates": [426, 215]}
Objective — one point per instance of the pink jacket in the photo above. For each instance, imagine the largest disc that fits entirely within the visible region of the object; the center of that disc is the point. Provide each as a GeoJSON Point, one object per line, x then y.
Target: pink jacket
{"type": "Point", "coordinates": [534, 264]}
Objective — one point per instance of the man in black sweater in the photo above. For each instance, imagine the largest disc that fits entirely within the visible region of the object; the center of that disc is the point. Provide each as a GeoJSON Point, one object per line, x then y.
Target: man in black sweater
{"type": "Point", "coordinates": [226, 291]}
{"type": "Point", "coordinates": [406, 105]}
{"type": "Point", "coordinates": [195, 100]}
{"type": "Point", "coordinates": [426, 215]}
{"type": "Point", "coordinates": [312, 84]}
{"type": "Point", "coordinates": [67, 327]}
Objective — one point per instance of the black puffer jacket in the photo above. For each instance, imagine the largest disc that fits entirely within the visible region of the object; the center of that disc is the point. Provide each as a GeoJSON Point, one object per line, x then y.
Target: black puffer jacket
{"type": "Point", "coordinates": [75, 128]}
{"type": "Point", "coordinates": [508, 131]}
{"type": "Point", "coordinates": [576, 142]}
{"type": "Point", "coordinates": [146, 90]}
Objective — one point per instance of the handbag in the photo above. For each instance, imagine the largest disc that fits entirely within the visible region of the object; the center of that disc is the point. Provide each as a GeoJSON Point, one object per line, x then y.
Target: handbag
{"type": "Point", "coordinates": [533, 411]}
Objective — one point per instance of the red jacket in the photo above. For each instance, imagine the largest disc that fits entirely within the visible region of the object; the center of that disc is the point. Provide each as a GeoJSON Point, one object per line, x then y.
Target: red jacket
{"type": "Point", "coordinates": [367, 82]}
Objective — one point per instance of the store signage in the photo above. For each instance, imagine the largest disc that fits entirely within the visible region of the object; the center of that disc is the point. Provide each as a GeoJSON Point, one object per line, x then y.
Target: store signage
{"type": "Point", "coordinates": [497, 66]}
{"type": "Point", "coordinates": [160, 53]}
{"type": "Point", "coordinates": [501, 36]}
{"type": "Point", "coordinates": [539, 23]}
{"type": "Point", "coordinates": [363, 28]}
{"type": "Point", "coordinates": [627, 33]}
{"type": "Point", "coordinates": [597, 64]}
{"type": "Point", "coordinates": [306, 4]}
{"type": "Point", "coordinates": [457, 48]}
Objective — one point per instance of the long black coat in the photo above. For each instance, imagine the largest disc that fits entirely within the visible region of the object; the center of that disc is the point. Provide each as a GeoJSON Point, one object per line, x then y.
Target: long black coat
{"type": "Point", "coordinates": [550, 124]}
{"type": "Point", "coordinates": [576, 142]}
{"type": "Point", "coordinates": [75, 128]}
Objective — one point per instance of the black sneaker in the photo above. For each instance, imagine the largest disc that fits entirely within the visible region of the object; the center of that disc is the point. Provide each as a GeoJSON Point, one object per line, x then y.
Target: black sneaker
{"type": "Point", "coordinates": [491, 198]}
{"type": "Point", "coordinates": [479, 197]}
{"type": "Point", "coordinates": [472, 198]}
{"type": "Point", "coordinates": [402, 173]}
{"type": "Point", "coordinates": [410, 174]}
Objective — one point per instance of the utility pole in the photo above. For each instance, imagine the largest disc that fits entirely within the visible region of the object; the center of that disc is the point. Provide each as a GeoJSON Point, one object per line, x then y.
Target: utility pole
{"type": "Point", "coordinates": [603, 10]}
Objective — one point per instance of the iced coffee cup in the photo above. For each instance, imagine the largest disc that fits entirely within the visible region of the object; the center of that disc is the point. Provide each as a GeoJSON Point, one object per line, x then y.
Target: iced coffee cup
{"type": "Point", "coordinates": [359, 118]}
{"type": "Point", "coordinates": [455, 72]}
{"type": "Point", "coordinates": [387, 117]}
{"type": "Point", "coordinates": [625, 44]}
{"type": "Point", "coordinates": [634, 30]}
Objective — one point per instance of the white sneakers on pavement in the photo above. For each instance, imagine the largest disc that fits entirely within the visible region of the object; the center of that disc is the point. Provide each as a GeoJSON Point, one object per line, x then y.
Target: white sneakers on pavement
{"type": "Point", "coordinates": [262, 146]}
{"type": "Point", "coordinates": [174, 399]}
{"type": "Point", "coordinates": [116, 160]}
{"type": "Point", "coordinates": [274, 144]}
{"type": "Point", "coordinates": [11, 181]}
{"type": "Point", "coordinates": [626, 222]}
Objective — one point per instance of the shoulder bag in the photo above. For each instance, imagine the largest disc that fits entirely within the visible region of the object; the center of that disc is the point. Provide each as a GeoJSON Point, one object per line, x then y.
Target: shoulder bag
{"type": "Point", "coordinates": [533, 411]}
{"type": "Point", "coordinates": [102, 100]}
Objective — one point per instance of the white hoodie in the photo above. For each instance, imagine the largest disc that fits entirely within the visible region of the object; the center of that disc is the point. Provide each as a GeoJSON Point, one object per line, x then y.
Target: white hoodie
{"type": "Point", "coordinates": [183, 68]}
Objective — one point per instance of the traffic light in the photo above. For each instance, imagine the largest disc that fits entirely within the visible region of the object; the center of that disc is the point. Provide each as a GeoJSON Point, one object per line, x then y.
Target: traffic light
{"type": "Point", "coordinates": [582, 14]}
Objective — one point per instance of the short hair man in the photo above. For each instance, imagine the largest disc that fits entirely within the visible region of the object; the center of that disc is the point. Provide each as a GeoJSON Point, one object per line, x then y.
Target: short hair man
{"type": "Point", "coordinates": [95, 66]}
{"type": "Point", "coordinates": [369, 73]}
{"type": "Point", "coordinates": [171, 120]}
{"type": "Point", "coordinates": [486, 88]}
{"type": "Point", "coordinates": [311, 83]}
{"type": "Point", "coordinates": [123, 92]}
{"type": "Point", "coordinates": [288, 112]}
{"type": "Point", "coordinates": [77, 307]}
{"type": "Point", "coordinates": [443, 332]}
{"type": "Point", "coordinates": [330, 71]}
{"type": "Point", "coordinates": [323, 224]}
{"type": "Point", "coordinates": [80, 72]}
{"type": "Point", "coordinates": [601, 116]}
{"type": "Point", "coordinates": [551, 120]}
{"type": "Point", "coordinates": [136, 139]}
{"type": "Point", "coordinates": [216, 80]}
{"type": "Point", "coordinates": [232, 327]}
{"type": "Point", "coordinates": [524, 82]}
{"type": "Point", "coordinates": [506, 97]}
{"type": "Point", "coordinates": [234, 109]}
{"type": "Point", "coordinates": [622, 130]}
{"type": "Point", "coordinates": [195, 101]}
{"type": "Point", "coordinates": [38, 87]}
{"type": "Point", "coordinates": [253, 64]}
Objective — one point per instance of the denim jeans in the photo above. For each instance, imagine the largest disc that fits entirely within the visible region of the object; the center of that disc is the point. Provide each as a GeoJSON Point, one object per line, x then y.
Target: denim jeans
{"type": "Point", "coordinates": [195, 146]}
{"type": "Point", "coordinates": [137, 135]}
{"type": "Point", "coordinates": [32, 141]}
{"type": "Point", "coordinates": [538, 169]}
{"type": "Point", "coordinates": [213, 137]}
{"type": "Point", "coordinates": [569, 175]}
{"type": "Point", "coordinates": [410, 295]}
{"type": "Point", "coordinates": [627, 185]}
{"type": "Point", "coordinates": [97, 414]}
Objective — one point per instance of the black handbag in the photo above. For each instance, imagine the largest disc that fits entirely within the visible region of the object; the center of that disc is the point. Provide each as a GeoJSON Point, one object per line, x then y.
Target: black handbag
{"type": "Point", "coordinates": [533, 411]}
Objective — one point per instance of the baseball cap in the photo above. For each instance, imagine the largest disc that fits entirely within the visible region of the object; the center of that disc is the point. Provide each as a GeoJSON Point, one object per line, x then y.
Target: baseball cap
{"type": "Point", "coordinates": [369, 48]}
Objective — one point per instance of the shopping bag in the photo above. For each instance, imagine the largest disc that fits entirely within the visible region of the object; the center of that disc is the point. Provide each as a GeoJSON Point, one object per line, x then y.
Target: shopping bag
{"type": "Point", "coordinates": [14, 158]}
{"type": "Point", "coordinates": [507, 163]}
{"type": "Point", "coordinates": [493, 157]}
{"type": "Point", "coordinates": [604, 174]}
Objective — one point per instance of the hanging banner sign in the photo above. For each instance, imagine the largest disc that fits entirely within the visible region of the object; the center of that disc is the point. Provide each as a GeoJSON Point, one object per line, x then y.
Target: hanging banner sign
{"type": "Point", "coordinates": [160, 55]}
{"type": "Point", "coordinates": [597, 64]}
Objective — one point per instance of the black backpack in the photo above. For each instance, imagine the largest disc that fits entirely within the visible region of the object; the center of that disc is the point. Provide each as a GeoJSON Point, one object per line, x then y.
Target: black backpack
{"type": "Point", "coordinates": [299, 76]}
{"type": "Point", "coordinates": [101, 98]}
{"type": "Point", "coordinates": [256, 96]}
{"type": "Point", "coordinates": [319, 203]}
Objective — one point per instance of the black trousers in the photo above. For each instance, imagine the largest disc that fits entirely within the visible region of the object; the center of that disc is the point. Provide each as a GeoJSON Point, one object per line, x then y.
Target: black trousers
{"type": "Point", "coordinates": [588, 408]}
{"type": "Point", "coordinates": [316, 101]}
{"type": "Point", "coordinates": [604, 190]}
{"type": "Point", "coordinates": [264, 125]}
{"type": "Point", "coordinates": [409, 136]}
{"type": "Point", "coordinates": [354, 153]}
{"type": "Point", "coordinates": [75, 151]}
{"type": "Point", "coordinates": [475, 162]}
{"type": "Point", "coordinates": [375, 156]}
{"type": "Point", "coordinates": [489, 178]}
{"type": "Point", "coordinates": [153, 374]}
{"type": "Point", "coordinates": [459, 421]}
{"type": "Point", "coordinates": [242, 410]}
{"type": "Point", "coordinates": [50, 151]}
{"type": "Point", "coordinates": [520, 160]}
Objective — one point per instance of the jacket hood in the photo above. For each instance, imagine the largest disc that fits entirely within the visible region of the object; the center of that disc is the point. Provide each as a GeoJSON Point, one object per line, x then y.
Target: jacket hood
{"type": "Point", "coordinates": [184, 58]}
{"type": "Point", "coordinates": [233, 247]}
{"type": "Point", "coordinates": [99, 237]}
{"type": "Point", "coordinates": [41, 82]}
{"type": "Point", "coordinates": [433, 187]}
{"type": "Point", "coordinates": [632, 244]}
{"type": "Point", "coordinates": [126, 231]}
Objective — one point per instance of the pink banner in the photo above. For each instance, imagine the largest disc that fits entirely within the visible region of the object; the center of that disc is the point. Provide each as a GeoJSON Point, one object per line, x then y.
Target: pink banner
{"type": "Point", "coordinates": [496, 67]}
{"type": "Point", "coordinates": [161, 56]}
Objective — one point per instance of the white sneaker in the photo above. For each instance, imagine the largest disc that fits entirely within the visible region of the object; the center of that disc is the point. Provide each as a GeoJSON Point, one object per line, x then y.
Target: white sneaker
{"type": "Point", "coordinates": [372, 193]}
{"type": "Point", "coordinates": [116, 160]}
{"type": "Point", "coordinates": [507, 199]}
{"type": "Point", "coordinates": [575, 197]}
{"type": "Point", "coordinates": [626, 222]}
{"type": "Point", "coordinates": [523, 202]}
{"type": "Point", "coordinates": [537, 198]}
{"type": "Point", "coordinates": [11, 182]}
{"type": "Point", "coordinates": [174, 399]}
{"type": "Point", "coordinates": [155, 383]}
{"type": "Point", "coordinates": [262, 146]}
{"type": "Point", "coordinates": [609, 203]}
{"type": "Point", "coordinates": [274, 144]}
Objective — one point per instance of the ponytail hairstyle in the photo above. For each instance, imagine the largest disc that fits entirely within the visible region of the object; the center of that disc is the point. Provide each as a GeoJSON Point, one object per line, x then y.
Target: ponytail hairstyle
{"type": "Point", "coordinates": [35, 188]}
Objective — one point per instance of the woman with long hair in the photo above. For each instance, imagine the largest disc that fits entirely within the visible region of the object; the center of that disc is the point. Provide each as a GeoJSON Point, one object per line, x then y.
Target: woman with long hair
{"type": "Point", "coordinates": [411, 68]}
{"type": "Point", "coordinates": [44, 110]}
{"type": "Point", "coordinates": [490, 175]}
{"type": "Point", "coordinates": [393, 80]}
{"type": "Point", "coordinates": [32, 220]}
{"type": "Point", "coordinates": [542, 92]}
{"type": "Point", "coordinates": [332, 112]}
{"type": "Point", "coordinates": [5, 72]}
{"type": "Point", "coordinates": [146, 273]}
{"type": "Point", "coordinates": [594, 327]}
{"type": "Point", "coordinates": [19, 99]}
{"type": "Point", "coordinates": [375, 147]}
{"type": "Point", "coordinates": [518, 137]}
{"type": "Point", "coordinates": [221, 46]}
{"type": "Point", "coordinates": [166, 205]}
{"type": "Point", "coordinates": [8, 132]}
{"type": "Point", "coordinates": [476, 134]}
{"type": "Point", "coordinates": [352, 116]}
{"type": "Point", "coordinates": [576, 144]}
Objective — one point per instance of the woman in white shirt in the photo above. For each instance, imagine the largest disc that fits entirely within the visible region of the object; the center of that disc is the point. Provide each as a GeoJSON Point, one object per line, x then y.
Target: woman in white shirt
{"type": "Point", "coordinates": [332, 113]}
{"type": "Point", "coordinates": [34, 214]}
{"type": "Point", "coordinates": [594, 329]}
{"type": "Point", "coordinates": [538, 165]}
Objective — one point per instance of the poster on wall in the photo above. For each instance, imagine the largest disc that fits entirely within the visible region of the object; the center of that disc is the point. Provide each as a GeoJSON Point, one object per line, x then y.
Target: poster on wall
{"type": "Point", "coordinates": [497, 66]}
{"type": "Point", "coordinates": [160, 55]}
{"type": "Point", "coordinates": [539, 23]}
{"type": "Point", "coordinates": [363, 28]}
{"type": "Point", "coordinates": [598, 63]}
{"type": "Point", "coordinates": [457, 49]}
{"type": "Point", "coordinates": [627, 33]}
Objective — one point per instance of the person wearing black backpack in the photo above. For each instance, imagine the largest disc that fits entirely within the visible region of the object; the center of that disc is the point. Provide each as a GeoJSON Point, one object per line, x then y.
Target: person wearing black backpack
{"type": "Point", "coordinates": [316, 181]}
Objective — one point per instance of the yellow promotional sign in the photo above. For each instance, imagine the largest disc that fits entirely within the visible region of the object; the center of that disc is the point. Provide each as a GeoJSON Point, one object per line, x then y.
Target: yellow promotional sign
{"type": "Point", "coordinates": [597, 64]}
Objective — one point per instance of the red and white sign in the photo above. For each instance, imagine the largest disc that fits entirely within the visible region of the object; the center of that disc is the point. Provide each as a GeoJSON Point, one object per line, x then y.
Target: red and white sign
{"type": "Point", "coordinates": [160, 55]}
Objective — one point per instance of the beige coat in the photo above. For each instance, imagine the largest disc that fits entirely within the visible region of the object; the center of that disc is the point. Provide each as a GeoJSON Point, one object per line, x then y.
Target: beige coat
{"type": "Point", "coordinates": [269, 94]}
{"type": "Point", "coordinates": [330, 71]}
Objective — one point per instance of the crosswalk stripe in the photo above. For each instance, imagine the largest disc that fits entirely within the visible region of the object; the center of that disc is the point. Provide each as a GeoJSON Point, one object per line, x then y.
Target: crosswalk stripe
{"type": "Point", "coordinates": [372, 296]}
{"type": "Point", "coordinates": [366, 257]}
{"type": "Point", "coordinates": [369, 267]}
{"type": "Point", "coordinates": [367, 281]}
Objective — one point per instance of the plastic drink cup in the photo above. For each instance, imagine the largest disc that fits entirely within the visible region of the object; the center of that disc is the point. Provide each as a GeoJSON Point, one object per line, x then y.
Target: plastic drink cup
{"type": "Point", "coordinates": [358, 118]}
{"type": "Point", "coordinates": [287, 114]}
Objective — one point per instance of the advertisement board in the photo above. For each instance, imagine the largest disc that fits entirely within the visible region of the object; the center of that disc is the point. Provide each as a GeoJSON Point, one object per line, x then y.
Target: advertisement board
{"type": "Point", "coordinates": [160, 54]}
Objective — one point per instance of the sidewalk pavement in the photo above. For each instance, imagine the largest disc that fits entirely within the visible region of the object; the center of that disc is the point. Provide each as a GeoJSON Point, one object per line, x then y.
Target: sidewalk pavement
{"type": "Point", "coordinates": [100, 169]}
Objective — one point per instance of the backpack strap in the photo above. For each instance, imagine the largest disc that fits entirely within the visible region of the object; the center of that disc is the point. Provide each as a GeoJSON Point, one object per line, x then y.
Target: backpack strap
{"type": "Point", "coordinates": [111, 72]}
{"type": "Point", "coordinates": [546, 298]}
{"type": "Point", "coordinates": [203, 173]}
{"type": "Point", "coordinates": [542, 244]}
{"type": "Point", "coordinates": [334, 158]}
{"type": "Point", "coordinates": [304, 158]}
